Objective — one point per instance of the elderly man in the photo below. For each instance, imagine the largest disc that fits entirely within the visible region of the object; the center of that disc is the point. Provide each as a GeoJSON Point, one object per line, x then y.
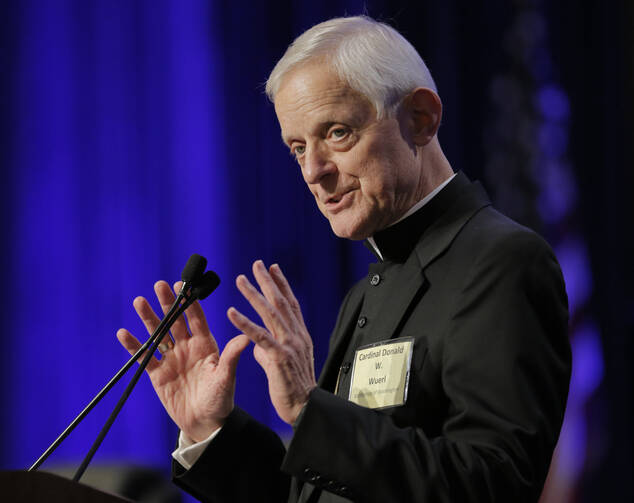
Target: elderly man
{"type": "Point", "coordinates": [449, 364]}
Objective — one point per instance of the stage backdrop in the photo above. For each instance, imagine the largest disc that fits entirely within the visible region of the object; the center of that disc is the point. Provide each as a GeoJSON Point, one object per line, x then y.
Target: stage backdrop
{"type": "Point", "coordinates": [139, 134]}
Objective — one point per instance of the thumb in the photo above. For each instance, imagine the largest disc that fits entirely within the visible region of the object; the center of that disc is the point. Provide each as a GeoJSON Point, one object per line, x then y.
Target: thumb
{"type": "Point", "coordinates": [231, 355]}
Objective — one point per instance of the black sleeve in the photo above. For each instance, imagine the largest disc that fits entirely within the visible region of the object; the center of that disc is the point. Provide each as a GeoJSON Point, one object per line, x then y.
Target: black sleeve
{"type": "Point", "coordinates": [505, 372]}
{"type": "Point", "coordinates": [242, 464]}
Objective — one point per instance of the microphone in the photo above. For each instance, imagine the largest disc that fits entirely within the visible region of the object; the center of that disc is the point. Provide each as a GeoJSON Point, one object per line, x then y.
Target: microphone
{"type": "Point", "coordinates": [191, 275]}
{"type": "Point", "coordinates": [193, 271]}
{"type": "Point", "coordinates": [207, 284]}
{"type": "Point", "coordinates": [201, 286]}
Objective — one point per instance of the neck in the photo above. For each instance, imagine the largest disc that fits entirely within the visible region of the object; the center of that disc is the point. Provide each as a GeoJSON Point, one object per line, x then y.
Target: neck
{"type": "Point", "coordinates": [395, 243]}
{"type": "Point", "coordinates": [434, 168]}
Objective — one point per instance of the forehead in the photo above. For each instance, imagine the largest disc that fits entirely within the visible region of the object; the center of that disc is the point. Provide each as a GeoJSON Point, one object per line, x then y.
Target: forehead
{"type": "Point", "coordinates": [313, 94]}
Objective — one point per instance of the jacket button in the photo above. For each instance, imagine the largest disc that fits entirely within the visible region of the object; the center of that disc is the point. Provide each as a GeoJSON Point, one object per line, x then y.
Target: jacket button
{"type": "Point", "coordinates": [375, 280]}
{"type": "Point", "coordinates": [362, 321]}
{"type": "Point", "coordinates": [345, 368]}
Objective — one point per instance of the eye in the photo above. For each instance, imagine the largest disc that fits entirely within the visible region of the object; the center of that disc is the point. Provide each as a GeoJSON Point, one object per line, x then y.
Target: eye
{"type": "Point", "coordinates": [298, 150]}
{"type": "Point", "coordinates": [339, 133]}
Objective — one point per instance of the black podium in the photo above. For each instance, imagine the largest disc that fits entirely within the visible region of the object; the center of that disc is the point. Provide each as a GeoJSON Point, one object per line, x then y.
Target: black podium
{"type": "Point", "coordinates": [43, 487]}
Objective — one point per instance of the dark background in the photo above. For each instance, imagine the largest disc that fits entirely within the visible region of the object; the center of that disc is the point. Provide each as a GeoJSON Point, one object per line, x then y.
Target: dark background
{"type": "Point", "coordinates": [134, 133]}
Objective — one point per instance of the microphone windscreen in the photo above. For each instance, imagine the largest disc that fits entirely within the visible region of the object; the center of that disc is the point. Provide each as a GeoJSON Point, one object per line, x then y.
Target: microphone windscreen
{"type": "Point", "coordinates": [194, 268]}
{"type": "Point", "coordinates": [207, 284]}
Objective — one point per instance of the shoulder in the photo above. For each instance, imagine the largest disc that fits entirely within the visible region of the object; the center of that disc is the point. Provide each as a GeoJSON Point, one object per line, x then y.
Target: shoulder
{"type": "Point", "coordinates": [495, 257]}
{"type": "Point", "coordinates": [493, 238]}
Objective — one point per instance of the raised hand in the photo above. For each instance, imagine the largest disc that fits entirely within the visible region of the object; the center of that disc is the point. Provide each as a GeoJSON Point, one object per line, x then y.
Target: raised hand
{"type": "Point", "coordinates": [284, 348]}
{"type": "Point", "coordinates": [193, 380]}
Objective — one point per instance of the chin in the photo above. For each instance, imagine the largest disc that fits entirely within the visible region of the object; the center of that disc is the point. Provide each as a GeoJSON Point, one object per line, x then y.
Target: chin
{"type": "Point", "coordinates": [352, 232]}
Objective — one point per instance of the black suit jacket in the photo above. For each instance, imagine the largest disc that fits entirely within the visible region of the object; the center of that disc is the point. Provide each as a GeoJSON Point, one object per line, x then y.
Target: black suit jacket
{"type": "Point", "coordinates": [485, 302]}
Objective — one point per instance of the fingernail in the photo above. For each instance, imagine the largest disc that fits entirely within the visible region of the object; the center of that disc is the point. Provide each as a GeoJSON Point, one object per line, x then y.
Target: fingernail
{"type": "Point", "coordinates": [232, 311]}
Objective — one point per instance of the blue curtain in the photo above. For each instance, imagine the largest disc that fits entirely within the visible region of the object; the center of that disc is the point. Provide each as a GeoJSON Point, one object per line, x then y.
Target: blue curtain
{"type": "Point", "coordinates": [139, 134]}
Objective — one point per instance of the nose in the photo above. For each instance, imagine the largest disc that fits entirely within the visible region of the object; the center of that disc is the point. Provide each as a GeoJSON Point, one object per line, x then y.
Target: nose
{"type": "Point", "coordinates": [317, 164]}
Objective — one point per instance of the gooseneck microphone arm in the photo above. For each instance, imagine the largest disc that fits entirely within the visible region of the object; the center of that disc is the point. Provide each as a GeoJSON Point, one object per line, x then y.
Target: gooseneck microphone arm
{"type": "Point", "coordinates": [135, 378]}
{"type": "Point", "coordinates": [205, 286]}
{"type": "Point", "coordinates": [192, 273]}
{"type": "Point", "coordinates": [80, 417]}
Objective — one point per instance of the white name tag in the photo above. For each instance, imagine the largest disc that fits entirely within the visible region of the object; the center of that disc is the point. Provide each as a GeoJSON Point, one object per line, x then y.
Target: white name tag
{"type": "Point", "coordinates": [380, 373]}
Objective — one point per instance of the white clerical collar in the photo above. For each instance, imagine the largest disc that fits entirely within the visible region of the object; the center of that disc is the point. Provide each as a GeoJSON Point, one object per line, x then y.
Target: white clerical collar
{"type": "Point", "coordinates": [411, 211]}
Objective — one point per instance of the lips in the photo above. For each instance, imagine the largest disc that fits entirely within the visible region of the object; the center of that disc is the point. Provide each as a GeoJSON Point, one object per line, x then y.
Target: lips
{"type": "Point", "coordinates": [339, 201]}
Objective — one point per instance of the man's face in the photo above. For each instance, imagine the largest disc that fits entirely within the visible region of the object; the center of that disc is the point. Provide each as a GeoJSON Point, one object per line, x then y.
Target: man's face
{"type": "Point", "coordinates": [361, 171]}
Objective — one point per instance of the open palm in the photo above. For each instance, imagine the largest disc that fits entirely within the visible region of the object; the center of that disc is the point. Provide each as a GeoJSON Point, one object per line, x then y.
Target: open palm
{"type": "Point", "coordinates": [193, 380]}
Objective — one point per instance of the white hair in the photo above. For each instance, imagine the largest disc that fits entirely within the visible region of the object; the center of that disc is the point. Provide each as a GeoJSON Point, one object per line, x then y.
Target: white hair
{"type": "Point", "coordinates": [371, 57]}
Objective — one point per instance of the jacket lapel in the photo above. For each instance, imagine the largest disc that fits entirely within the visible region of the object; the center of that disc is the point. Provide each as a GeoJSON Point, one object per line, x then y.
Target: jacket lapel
{"type": "Point", "coordinates": [440, 235]}
{"type": "Point", "coordinates": [411, 278]}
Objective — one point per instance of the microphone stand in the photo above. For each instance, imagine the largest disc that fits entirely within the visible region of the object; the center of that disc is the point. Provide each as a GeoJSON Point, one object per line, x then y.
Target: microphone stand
{"type": "Point", "coordinates": [137, 375]}
{"type": "Point", "coordinates": [160, 331]}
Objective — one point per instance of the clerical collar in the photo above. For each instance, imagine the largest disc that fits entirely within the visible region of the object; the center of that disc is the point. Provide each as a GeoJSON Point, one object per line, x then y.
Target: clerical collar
{"type": "Point", "coordinates": [395, 242]}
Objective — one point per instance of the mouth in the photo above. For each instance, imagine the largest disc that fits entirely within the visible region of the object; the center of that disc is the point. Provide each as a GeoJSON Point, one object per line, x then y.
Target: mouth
{"type": "Point", "coordinates": [339, 201]}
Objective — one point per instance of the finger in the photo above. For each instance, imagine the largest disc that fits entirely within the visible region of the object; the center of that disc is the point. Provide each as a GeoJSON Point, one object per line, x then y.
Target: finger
{"type": "Point", "coordinates": [166, 298]}
{"type": "Point", "coordinates": [270, 290]}
{"type": "Point", "coordinates": [131, 343]}
{"type": "Point", "coordinates": [255, 332]}
{"type": "Point", "coordinates": [198, 324]}
{"type": "Point", "coordinates": [146, 313]}
{"type": "Point", "coordinates": [285, 288]}
{"type": "Point", "coordinates": [271, 317]}
{"type": "Point", "coordinates": [231, 355]}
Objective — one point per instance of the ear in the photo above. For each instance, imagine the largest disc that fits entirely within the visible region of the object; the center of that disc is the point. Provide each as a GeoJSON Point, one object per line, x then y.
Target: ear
{"type": "Point", "coordinates": [423, 111]}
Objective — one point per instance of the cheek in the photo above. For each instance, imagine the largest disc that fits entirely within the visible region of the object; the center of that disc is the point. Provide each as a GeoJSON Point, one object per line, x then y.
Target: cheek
{"type": "Point", "coordinates": [364, 166]}
{"type": "Point", "coordinates": [389, 166]}
{"type": "Point", "coordinates": [377, 181]}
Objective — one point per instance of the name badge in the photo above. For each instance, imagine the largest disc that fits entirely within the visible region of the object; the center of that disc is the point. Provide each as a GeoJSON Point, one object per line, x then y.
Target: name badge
{"type": "Point", "coordinates": [380, 373]}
